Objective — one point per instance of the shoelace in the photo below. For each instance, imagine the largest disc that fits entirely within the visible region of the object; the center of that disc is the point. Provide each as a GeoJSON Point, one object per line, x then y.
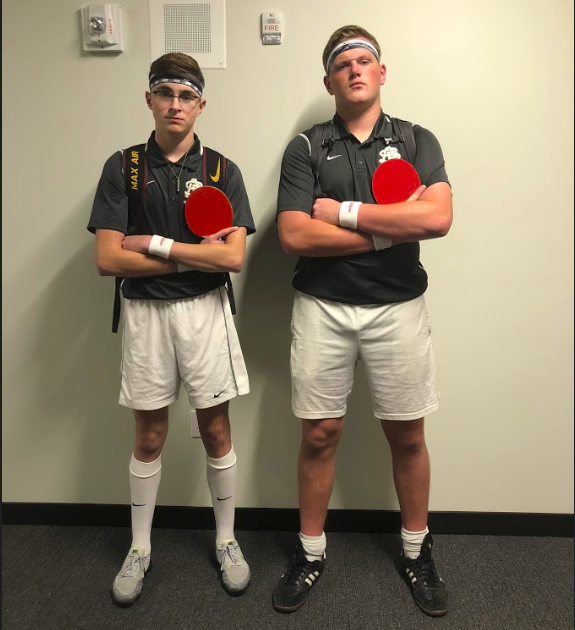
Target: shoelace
{"type": "Point", "coordinates": [131, 568]}
{"type": "Point", "coordinates": [425, 570]}
{"type": "Point", "coordinates": [298, 571]}
{"type": "Point", "coordinates": [232, 553]}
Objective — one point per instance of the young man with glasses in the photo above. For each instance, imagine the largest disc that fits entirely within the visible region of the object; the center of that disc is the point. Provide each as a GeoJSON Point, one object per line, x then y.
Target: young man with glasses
{"type": "Point", "coordinates": [177, 319]}
{"type": "Point", "coordinates": [359, 293]}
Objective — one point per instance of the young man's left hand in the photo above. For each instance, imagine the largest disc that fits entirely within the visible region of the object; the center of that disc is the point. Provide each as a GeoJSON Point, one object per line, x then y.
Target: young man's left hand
{"type": "Point", "coordinates": [326, 210]}
{"type": "Point", "coordinates": [219, 237]}
{"type": "Point", "coordinates": [138, 243]}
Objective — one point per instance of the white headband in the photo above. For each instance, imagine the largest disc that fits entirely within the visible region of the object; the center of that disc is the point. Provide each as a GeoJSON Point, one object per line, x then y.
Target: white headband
{"type": "Point", "coordinates": [349, 45]}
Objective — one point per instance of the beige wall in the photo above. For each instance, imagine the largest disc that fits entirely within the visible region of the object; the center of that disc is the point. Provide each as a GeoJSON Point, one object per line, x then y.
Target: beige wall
{"type": "Point", "coordinates": [493, 80]}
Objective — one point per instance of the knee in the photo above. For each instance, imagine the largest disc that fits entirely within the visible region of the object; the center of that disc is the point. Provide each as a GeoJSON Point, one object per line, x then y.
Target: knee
{"type": "Point", "coordinates": [215, 429]}
{"type": "Point", "coordinates": [150, 441]}
{"type": "Point", "coordinates": [215, 437]}
{"type": "Point", "coordinates": [150, 438]}
{"type": "Point", "coordinates": [321, 439]}
{"type": "Point", "coordinates": [151, 432]}
{"type": "Point", "coordinates": [405, 438]}
{"type": "Point", "coordinates": [408, 445]}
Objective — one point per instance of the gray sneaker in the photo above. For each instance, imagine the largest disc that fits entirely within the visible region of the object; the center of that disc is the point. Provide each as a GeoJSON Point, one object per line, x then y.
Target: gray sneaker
{"type": "Point", "coordinates": [128, 583]}
{"type": "Point", "coordinates": [235, 570]}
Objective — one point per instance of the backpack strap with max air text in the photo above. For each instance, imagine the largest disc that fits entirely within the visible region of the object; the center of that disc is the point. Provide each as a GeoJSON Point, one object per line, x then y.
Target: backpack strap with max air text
{"type": "Point", "coordinates": [135, 168]}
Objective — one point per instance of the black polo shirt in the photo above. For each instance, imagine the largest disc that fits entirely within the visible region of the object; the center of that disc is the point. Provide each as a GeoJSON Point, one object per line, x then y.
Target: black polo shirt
{"type": "Point", "coordinates": [163, 214]}
{"type": "Point", "coordinates": [391, 275]}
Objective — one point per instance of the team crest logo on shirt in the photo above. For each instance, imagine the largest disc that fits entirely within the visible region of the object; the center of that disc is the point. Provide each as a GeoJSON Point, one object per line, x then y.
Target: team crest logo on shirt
{"type": "Point", "coordinates": [192, 185]}
{"type": "Point", "coordinates": [389, 153]}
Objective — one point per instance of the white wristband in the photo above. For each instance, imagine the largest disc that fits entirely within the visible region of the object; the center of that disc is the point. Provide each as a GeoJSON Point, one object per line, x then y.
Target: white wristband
{"type": "Point", "coordinates": [160, 246]}
{"type": "Point", "coordinates": [348, 214]}
{"type": "Point", "coordinates": [380, 242]}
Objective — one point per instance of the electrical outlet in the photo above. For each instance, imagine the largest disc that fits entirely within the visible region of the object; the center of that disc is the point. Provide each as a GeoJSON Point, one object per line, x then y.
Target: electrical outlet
{"type": "Point", "coordinates": [195, 427]}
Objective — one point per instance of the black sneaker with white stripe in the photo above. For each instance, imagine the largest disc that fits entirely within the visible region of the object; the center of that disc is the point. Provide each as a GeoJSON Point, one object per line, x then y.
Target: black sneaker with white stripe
{"type": "Point", "coordinates": [427, 588]}
{"type": "Point", "coordinates": [295, 584]}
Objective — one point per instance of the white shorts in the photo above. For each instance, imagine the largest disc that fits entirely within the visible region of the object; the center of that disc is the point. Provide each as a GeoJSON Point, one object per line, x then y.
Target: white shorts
{"type": "Point", "coordinates": [193, 340]}
{"type": "Point", "coordinates": [393, 341]}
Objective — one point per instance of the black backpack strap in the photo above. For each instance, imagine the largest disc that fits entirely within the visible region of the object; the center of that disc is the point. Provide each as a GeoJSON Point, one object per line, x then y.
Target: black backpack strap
{"type": "Point", "coordinates": [214, 168]}
{"type": "Point", "coordinates": [321, 141]}
{"type": "Point", "coordinates": [135, 168]}
{"type": "Point", "coordinates": [117, 305]}
{"type": "Point", "coordinates": [403, 132]}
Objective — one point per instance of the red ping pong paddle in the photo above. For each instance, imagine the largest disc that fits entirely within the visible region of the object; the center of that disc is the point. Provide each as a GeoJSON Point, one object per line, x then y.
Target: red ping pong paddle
{"type": "Point", "coordinates": [394, 181]}
{"type": "Point", "coordinates": [208, 211]}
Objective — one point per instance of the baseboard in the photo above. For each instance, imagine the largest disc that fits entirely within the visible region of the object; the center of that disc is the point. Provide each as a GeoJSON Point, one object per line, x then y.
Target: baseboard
{"type": "Point", "coordinates": [287, 519]}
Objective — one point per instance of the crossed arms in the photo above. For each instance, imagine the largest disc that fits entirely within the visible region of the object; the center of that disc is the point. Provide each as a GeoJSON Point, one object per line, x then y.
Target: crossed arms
{"type": "Point", "coordinates": [128, 257]}
{"type": "Point", "coordinates": [426, 215]}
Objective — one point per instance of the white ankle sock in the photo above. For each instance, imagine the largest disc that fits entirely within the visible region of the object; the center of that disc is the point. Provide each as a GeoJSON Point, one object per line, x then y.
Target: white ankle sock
{"type": "Point", "coordinates": [144, 484]}
{"type": "Point", "coordinates": [412, 542]}
{"type": "Point", "coordinates": [221, 475]}
{"type": "Point", "coordinates": [313, 546]}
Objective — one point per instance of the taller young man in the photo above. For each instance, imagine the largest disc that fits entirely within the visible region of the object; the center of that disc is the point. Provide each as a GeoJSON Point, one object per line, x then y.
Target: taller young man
{"type": "Point", "coordinates": [359, 293]}
{"type": "Point", "coordinates": [177, 319]}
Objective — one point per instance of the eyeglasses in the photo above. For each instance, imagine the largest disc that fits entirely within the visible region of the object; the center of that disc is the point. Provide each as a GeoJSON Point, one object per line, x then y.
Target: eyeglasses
{"type": "Point", "coordinates": [186, 99]}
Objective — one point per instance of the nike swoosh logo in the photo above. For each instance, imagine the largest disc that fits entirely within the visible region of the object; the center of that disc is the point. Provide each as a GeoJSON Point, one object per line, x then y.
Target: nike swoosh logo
{"type": "Point", "coordinates": [225, 498]}
{"type": "Point", "coordinates": [138, 504]}
{"type": "Point", "coordinates": [216, 177]}
{"type": "Point", "coordinates": [332, 157]}
{"type": "Point", "coordinates": [218, 395]}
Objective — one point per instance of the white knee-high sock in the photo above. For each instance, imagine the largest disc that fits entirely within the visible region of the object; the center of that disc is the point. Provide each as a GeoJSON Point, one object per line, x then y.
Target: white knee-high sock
{"type": "Point", "coordinates": [221, 475]}
{"type": "Point", "coordinates": [144, 484]}
{"type": "Point", "coordinates": [412, 542]}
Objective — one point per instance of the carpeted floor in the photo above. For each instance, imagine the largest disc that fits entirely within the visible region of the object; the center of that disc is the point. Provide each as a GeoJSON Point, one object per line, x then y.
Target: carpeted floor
{"type": "Point", "coordinates": [60, 578]}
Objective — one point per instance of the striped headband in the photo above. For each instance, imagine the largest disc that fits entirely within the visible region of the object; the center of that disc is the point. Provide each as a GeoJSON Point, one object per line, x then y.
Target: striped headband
{"type": "Point", "coordinates": [349, 45]}
{"type": "Point", "coordinates": [195, 85]}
